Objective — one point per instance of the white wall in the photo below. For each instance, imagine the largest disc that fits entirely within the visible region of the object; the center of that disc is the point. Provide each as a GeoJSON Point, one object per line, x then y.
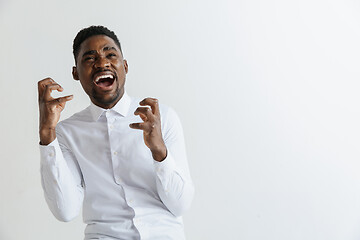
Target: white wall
{"type": "Point", "coordinates": [268, 93]}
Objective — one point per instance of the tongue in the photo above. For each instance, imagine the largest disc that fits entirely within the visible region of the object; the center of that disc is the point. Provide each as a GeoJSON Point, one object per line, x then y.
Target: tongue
{"type": "Point", "coordinates": [105, 82]}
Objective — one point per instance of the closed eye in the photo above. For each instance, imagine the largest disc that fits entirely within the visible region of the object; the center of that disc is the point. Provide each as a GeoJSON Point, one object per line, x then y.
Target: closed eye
{"type": "Point", "coordinates": [111, 55]}
{"type": "Point", "coordinates": [89, 59]}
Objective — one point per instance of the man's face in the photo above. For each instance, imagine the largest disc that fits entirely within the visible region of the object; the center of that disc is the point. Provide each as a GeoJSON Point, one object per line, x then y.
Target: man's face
{"type": "Point", "coordinates": [101, 70]}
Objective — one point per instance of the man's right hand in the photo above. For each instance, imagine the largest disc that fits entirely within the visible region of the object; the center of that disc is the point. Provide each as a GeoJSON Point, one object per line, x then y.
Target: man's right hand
{"type": "Point", "coordinates": [50, 109]}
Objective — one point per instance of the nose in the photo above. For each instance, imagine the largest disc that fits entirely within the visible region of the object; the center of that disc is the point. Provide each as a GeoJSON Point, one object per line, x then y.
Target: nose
{"type": "Point", "coordinates": [102, 62]}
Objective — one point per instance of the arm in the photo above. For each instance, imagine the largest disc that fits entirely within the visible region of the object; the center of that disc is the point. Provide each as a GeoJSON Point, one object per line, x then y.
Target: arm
{"type": "Point", "coordinates": [173, 180]}
{"type": "Point", "coordinates": [174, 183]}
{"type": "Point", "coordinates": [61, 180]}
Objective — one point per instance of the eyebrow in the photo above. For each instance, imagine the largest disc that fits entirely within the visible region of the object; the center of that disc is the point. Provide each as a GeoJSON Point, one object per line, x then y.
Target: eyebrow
{"type": "Point", "coordinates": [107, 48]}
{"type": "Point", "coordinates": [91, 52]}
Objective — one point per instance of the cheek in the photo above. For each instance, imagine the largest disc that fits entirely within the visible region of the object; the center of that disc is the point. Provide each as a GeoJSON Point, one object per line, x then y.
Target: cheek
{"type": "Point", "coordinates": [86, 86]}
{"type": "Point", "coordinates": [119, 66]}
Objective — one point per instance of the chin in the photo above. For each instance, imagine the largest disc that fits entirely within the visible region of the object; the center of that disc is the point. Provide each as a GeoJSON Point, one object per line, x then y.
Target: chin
{"type": "Point", "coordinates": [106, 102]}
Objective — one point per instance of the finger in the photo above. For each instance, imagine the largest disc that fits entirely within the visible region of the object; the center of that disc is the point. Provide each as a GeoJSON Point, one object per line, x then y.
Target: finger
{"type": "Point", "coordinates": [42, 85]}
{"type": "Point", "coordinates": [61, 100]}
{"type": "Point", "coordinates": [153, 103]}
{"type": "Point", "coordinates": [143, 117]}
{"type": "Point", "coordinates": [49, 88]}
{"type": "Point", "coordinates": [142, 126]}
{"type": "Point", "coordinates": [144, 112]}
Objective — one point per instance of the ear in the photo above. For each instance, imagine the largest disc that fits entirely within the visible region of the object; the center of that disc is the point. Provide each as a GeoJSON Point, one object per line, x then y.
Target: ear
{"type": "Point", "coordinates": [126, 66]}
{"type": "Point", "coordinates": [75, 73]}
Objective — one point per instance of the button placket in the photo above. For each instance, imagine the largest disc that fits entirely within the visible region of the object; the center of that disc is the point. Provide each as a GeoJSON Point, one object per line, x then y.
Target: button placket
{"type": "Point", "coordinates": [115, 162]}
{"type": "Point", "coordinates": [116, 154]}
{"type": "Point", "coordinates": [110, 120]}
{"type": "Point", "coordinates": [114, 151]}
{"type": "Point", "coordinates": [118, 180]}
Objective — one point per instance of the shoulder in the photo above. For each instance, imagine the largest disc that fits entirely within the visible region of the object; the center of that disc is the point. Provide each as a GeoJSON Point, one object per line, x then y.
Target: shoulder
{"type": "Point", "coordinates": [167, 113]}
{"type": "Point", "coordinates": [169, 117]}
{"type": "Point", "coordinates": [82, 116]}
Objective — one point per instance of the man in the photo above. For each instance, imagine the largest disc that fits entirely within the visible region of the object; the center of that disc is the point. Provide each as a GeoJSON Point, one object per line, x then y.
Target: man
{"type": "Point", "coordinates": [124, 164]}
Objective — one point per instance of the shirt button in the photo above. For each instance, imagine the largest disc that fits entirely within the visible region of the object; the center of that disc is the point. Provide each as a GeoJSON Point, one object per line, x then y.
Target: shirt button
{"type": "Point", "coordinates": [115, 153]}
{"type": "Point", "coordinates": [51, 154]}
{"type": "Point", "coordinates": [111, 126]}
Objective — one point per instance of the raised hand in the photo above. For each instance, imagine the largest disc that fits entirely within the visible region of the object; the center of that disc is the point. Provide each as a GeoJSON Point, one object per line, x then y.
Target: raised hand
{"type": "Point", "coordinates": [50, 109]}
{"type": "Point", "coordinates": [151, 127]}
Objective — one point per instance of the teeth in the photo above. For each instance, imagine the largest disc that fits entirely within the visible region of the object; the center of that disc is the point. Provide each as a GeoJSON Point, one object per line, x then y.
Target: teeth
{"type": "Point", "coordinates": [103, 76]}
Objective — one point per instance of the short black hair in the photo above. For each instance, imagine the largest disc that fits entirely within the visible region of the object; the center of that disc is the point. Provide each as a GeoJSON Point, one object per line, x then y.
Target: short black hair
{"type": "Point", "coordinates": [85, 33]}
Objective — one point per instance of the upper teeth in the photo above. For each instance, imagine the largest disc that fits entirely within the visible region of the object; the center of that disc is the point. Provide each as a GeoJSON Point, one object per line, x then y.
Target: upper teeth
{"type": "Point", "coordinates": [103, 76]}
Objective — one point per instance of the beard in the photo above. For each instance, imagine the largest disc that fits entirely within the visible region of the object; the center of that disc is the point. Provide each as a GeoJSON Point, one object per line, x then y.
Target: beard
{"type": "Point", "coordinates": [109, 101]}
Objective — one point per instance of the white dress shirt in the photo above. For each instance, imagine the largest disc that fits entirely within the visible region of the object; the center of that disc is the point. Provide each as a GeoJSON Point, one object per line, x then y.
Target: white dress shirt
{"type": "Point", "coordinates": [99, 163]}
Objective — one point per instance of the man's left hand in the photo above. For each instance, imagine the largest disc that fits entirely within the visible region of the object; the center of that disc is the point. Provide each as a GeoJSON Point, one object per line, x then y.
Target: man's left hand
{"type": "Point", "coordinates": [151, 127]}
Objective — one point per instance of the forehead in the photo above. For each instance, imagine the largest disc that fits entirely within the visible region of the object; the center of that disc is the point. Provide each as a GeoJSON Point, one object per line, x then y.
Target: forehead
{"type": "Point", "coordinates": [97, 43]}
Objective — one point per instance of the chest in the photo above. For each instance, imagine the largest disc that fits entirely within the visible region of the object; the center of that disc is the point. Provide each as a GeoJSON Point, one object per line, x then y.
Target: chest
{"type": "Point", "coordinates": [110, 152]}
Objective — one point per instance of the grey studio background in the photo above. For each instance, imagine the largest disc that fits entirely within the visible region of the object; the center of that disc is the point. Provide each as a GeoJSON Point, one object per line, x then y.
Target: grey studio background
{"type": "Point", "coordinates": [267, 91]}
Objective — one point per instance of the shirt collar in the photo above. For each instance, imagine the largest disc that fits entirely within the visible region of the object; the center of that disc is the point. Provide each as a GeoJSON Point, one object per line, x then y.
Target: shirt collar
{"type": "Point", "coordinates": [121, 107]}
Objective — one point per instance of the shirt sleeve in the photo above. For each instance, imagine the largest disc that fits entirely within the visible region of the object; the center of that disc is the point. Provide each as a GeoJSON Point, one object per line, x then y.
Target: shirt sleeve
{"type": "Point", "coordinates": [173, 180]}
{"type": "Point", "coordinates": [61, 180]}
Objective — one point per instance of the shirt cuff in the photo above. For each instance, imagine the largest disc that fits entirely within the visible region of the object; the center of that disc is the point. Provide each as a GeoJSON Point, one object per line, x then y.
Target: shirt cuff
{"type": "Point", "coordinates": [49, 152]}
{"type": "Point", "coordinates": [166, 166]}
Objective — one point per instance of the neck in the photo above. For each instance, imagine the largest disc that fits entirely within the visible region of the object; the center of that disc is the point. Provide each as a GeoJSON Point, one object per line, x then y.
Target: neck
{"type": "Point", "coordinates": [110, 104]}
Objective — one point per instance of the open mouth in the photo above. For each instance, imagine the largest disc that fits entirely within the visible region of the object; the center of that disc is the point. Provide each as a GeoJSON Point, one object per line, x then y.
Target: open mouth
{"type": "Point", "coordinates": [104, 81]}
